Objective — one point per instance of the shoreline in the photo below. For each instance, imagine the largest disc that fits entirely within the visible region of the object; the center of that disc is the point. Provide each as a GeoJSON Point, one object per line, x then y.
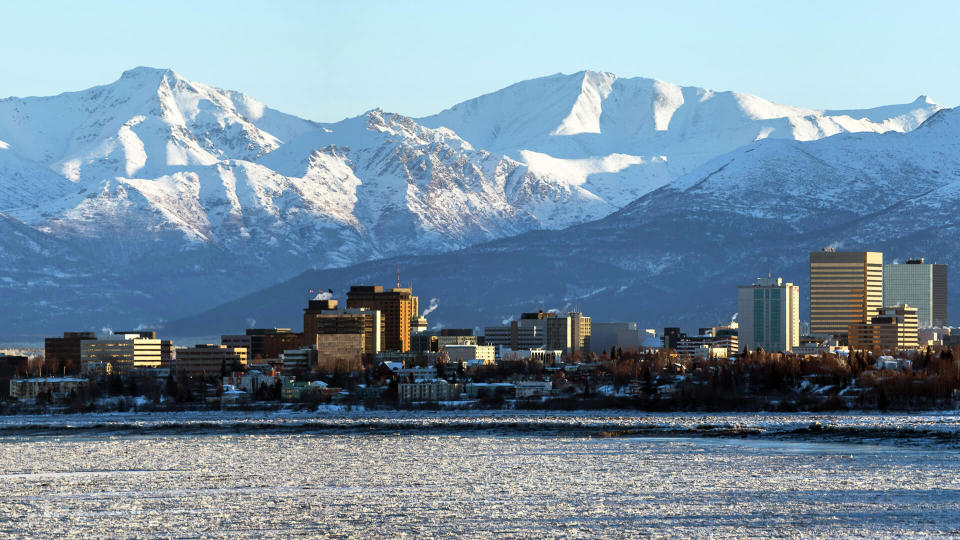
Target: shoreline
{"type": "Point", "coordinates": [931, 427]}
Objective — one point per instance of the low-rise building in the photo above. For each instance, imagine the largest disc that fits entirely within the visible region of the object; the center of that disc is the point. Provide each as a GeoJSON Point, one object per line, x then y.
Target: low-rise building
{"type": "Point", "coordinates": [231, 395]}
{"type": "Point", "coordinates": [429, 391]}
{"type": "Point", "coordinates": [66, 350]}
{"type": "Point", "coordinates": [212, 360]}
{"type": "Point", "coordinates": [417, 373]}
{"type": "Point", "coordinates": [299, 360]}
{"type": "Point", "coordinates": [293, 390]}
{"type": "Point", "coordinates": [894, 328]}
{"type": "Point", "coordinates": [544, 356]}
{"type": "Point", "coordinates": [702, 346]}
{"type": "Point", "coordinates": [57, 388]}
{"type": "Point", "coordinates": [465, 353]}
{"type": "Point", "coordinates": [532, 389]}
{"type": "Point", "coordinates": [251, 381]}
{"type": "Point", "coordinates": [889, 362]}
{"type": "Point", "coordinates": [490, 390]}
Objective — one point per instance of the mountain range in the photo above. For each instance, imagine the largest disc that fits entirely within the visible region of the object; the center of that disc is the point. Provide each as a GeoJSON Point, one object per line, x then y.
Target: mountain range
{"type": "Point", "coordinates": [151, 200]}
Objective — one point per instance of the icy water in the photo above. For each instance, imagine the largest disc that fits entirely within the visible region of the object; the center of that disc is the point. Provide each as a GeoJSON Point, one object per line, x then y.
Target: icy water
{"type": "Point", "coordinates": [478, 475]}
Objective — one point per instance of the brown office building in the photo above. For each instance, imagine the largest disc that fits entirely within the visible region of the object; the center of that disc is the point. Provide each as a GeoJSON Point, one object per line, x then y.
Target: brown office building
{"type": "Point", "coordinates": [211, 360]}
{"type": "Point", "coordinates": [66, 350]}
{"type": "Point", "coordinates": [846, 288]}
{"type": "Point", "coordinates": [322, 318]}
{"type": "Point", "coordinates": [264, 342]}
{"type": "Point", "coordinates": [892, 329]}
{"type": "Point", "coordinates": [339, 353]}
{"type": "Point", "coordinates": [10, 368]}
{"type": "Point", "coordinates": [396, 306]}
{"type": "Point", "coordinates": [274, 344]}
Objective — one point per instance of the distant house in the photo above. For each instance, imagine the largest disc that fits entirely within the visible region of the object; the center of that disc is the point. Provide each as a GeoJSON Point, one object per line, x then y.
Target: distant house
{"type": "Point", "coordinates": [889, 362]}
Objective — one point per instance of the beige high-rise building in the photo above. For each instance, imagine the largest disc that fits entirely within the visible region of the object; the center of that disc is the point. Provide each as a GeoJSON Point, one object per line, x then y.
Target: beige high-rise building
{"type": "Point", "coordinates": [580, 331]}
{"type": "Point", "coordinates": [846, 288]}
{"type": "Point", "coordinates": [397, 308]}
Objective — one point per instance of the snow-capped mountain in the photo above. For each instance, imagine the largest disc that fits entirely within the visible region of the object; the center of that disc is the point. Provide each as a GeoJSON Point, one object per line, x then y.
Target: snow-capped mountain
{"type": "Point", "coordinates": [622, 138]}
{"type": "Point", "coordinates": [154, 197]}
{"type": "Point", "coordinates": [676, 255]}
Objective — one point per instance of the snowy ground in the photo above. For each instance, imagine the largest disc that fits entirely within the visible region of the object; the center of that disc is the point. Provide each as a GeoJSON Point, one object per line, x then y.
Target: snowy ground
{"type": "Point", "coordinates": [426, 475]}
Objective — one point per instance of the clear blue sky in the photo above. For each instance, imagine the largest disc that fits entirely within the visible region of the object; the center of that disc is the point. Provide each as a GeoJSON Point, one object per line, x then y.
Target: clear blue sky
{"type": "Point", "coordinates": [330, 60]}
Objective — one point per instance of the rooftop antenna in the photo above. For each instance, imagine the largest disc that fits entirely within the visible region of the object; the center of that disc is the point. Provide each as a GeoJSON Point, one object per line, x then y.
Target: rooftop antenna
{"type": "Point", "coordinates": [398, 275]}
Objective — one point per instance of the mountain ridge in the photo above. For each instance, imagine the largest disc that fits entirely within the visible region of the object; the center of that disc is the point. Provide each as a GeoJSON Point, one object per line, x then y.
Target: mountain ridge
{"type": "Point", "coordinates": [163, 196]}
{"type": "Point", "coordinates": [675, 256]}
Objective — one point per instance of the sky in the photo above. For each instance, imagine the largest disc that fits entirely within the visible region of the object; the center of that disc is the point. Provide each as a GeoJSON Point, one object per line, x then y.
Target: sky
{"type": "Point", "coordinates": [330, 60]}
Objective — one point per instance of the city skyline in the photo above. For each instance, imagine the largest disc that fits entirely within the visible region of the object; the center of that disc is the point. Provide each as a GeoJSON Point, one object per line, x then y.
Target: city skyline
{"type": "Point", "coordinates": [621, 269]}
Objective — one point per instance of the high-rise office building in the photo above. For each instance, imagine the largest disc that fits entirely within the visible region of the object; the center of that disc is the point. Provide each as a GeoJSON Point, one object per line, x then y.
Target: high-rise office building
{"type": "Point", "coordinates": [580, 332]}
{"type": "Point", "coordinates": [558, 333]}
{"type": "Point", "coordinates": [845, 288]}
{"type": "Point", "coordinates": [920, 285]}
{"type": "Point", "coordinates": [396, 306]}
{"type": "Point", "coordinates": [769, 313]}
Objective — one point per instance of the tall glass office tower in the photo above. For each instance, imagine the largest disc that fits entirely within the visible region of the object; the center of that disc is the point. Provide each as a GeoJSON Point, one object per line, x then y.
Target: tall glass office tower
{"type": "Point", "coordinates": [923, 286]}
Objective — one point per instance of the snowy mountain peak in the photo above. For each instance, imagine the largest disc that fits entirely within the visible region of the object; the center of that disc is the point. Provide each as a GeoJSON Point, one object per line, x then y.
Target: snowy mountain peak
{"type": "Point", "coordinates": [142, 73]}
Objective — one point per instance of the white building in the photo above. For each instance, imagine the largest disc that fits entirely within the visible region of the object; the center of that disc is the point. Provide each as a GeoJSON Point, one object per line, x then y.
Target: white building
{"type": "Point", "coordinates": [769, 315]}
{"type": "Point", "coordinates": [419, 373]}
{"type": "Point", "coordinates": [251, 381]}
{"type": "Point", "coordinates": [465, 353]}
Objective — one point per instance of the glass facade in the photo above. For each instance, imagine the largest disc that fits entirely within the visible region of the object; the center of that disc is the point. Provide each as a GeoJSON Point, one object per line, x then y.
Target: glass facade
{"type": "Point", "coordinates": [910, 284]}
{"type": "Point", "coordinates": [923, 286]}
{"type": "Point", "coordinates": [769, 315]}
